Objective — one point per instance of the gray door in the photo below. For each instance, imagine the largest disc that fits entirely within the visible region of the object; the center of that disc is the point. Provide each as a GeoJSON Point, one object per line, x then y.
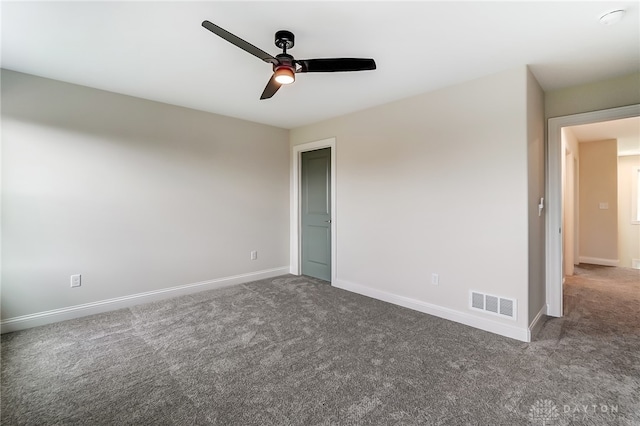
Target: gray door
{"type": "Point", "coordinates": [316, 213]}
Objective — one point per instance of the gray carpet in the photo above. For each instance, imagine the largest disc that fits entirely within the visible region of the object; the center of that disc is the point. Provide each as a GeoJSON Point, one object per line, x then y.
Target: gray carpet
{"type": "Point", "coordinates": [295, 351]}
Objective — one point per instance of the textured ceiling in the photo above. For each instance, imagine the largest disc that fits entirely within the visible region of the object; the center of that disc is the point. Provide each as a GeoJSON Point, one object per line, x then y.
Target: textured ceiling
{"type": "Point", "coordinates": [159, 51]}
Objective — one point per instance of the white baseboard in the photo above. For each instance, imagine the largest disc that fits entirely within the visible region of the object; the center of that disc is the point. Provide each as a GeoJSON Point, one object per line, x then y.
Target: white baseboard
{"type": "Point", "coordinates": [485, 324]}
{"type": "Point", "coordinates": [62, 314]}
{"type": "Point", "coordinates": [599, 261]}
{"type": "Point", "coordinates": [536, 324]}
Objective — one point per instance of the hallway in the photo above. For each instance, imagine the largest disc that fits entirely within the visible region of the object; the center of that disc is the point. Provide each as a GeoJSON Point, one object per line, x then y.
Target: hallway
{"type": "Point", "coordinates": [604, 298]}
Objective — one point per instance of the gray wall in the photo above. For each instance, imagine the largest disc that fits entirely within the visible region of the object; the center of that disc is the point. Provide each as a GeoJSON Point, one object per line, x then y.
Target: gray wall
{"type": "Point", "coordinates": [134, 195]}
{"type": "Point", "coordinates": [536, 178]}
{"type": "Point", "coordinates": [139, 196]}
{"type": "Point", "coordinates": [438, 183]}
{"type": "Point", "coordinates": [612, 93]}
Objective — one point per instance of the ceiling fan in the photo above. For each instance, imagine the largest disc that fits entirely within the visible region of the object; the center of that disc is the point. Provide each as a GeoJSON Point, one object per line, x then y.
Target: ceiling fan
{"type": "Point", "coordinates": [286, 66]}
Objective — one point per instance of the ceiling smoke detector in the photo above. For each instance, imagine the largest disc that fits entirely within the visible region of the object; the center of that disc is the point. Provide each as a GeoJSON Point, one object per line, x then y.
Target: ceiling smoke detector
{"type": "Point", "coordinates": [612, 17]}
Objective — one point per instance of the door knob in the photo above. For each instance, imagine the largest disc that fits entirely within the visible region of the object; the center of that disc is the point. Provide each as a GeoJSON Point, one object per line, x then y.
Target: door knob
{"type": "Point", "coordinates": [328, 221]}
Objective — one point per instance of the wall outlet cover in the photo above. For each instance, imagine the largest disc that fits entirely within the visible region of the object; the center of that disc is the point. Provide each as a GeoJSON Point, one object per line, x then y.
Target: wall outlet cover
{"type": "Point", "coordinates": [76, 280]}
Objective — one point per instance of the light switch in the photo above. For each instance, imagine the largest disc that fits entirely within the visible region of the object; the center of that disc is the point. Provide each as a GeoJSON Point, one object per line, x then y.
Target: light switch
{"type": "Point", "coordinates": [604, 206]}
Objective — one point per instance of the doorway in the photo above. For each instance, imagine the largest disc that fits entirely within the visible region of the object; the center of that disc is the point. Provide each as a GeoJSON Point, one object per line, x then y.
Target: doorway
{"type": "Point", "coordinates": [306, 256]}
{"type": "Point", "coordinates": [556, 214]}
{"type": "Point", "coordinates": [315, 213]}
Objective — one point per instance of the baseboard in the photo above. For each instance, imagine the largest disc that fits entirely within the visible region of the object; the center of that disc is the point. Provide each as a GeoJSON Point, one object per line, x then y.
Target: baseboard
{"type": "Point", "coordinates": [485, 324]}
{"type": "Point", "coordinates": [537, 322]}
{"type": "Point", "coordinates": [599, 261]}
{"type": "Point", "coordinates": [48, 317]}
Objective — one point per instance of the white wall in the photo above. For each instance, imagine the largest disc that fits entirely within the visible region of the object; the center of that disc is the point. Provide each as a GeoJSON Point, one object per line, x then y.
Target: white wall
{"type": "Point", "coordinates": [628, 229]}
{"type": "Point", "coordinates": [570, 169]}
{"type": "Point", "coordinates": [438, 183]}
{"type": "Point", "coordinates": [134, 195]}
{"type": "Point", "coordinates": [570, 142]}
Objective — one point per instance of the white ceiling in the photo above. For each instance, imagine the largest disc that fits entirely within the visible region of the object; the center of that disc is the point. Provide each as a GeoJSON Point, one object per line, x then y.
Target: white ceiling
{"type": "Point", "coordinates": [159, 51]}
{"type": "Point", "coordinates": [626, 131]}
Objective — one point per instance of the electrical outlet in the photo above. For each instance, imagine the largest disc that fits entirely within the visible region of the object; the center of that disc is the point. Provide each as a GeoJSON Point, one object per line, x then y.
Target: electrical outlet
{"type": "Point", "coordinates": [76, 280]}
{"type": "Point", "coordinates": [254, 255]}
{"type": "Point", "coordinates": [435, 279]}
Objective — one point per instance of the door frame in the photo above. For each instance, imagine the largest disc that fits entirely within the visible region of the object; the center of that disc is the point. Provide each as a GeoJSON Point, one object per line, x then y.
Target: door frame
{"type": "Point", "coordinates": [571, 164]}
{"type": "Point", "coordinates": [296, 216]}
{"type": "Point", "coordinates": [554, 194]}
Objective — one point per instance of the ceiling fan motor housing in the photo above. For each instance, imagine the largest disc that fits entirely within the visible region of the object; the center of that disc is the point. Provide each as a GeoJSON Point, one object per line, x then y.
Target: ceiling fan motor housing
{"type": "Point", "coordinates": [284, 39]}
{"type": "Point", "coordinates": [285, 60]}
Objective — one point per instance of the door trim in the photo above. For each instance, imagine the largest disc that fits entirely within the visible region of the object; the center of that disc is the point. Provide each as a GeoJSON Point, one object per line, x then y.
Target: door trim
{"type": "Point", "coordinates": [295, 225]}
{"type": "Point", "coordinates": [554, 195]}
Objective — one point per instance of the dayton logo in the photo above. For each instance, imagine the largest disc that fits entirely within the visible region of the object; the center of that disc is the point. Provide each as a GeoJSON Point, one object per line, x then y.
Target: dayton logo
{"type": "Point", "coordinates": [544, 412]}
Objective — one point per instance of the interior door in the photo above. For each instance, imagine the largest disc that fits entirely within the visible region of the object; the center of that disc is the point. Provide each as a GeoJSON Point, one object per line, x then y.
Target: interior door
{"type": "Point", "coordinates": [316, 213]}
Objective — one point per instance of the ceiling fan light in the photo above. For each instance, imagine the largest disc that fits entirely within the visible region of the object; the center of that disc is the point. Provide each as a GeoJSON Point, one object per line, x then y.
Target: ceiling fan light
{"type": "Point", "coordinates": [285, 75]}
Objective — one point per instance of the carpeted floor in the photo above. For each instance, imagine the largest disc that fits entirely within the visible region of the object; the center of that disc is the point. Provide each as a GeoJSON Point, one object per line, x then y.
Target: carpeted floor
{"type": "Point", "coordinates": [295, 351]}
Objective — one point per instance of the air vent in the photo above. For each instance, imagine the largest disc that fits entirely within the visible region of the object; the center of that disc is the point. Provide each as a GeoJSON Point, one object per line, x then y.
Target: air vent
{"type": "Point", "coordinates": [506, 307]}
{"type": "Point", "coordinates": [477, 300]}
{"type": "Point", "coordinates": [491, 304]}
{"type": "Point", "coordinates": [495, 305]}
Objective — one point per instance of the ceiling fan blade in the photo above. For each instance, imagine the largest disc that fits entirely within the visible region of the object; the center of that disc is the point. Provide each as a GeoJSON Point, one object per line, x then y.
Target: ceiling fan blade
{"type": "Point", "coordinates": [271, 89]}
{"type": "Point", "coordinates": [335, 65]}
{"type": "Point", "coordinates": [237, 41]}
